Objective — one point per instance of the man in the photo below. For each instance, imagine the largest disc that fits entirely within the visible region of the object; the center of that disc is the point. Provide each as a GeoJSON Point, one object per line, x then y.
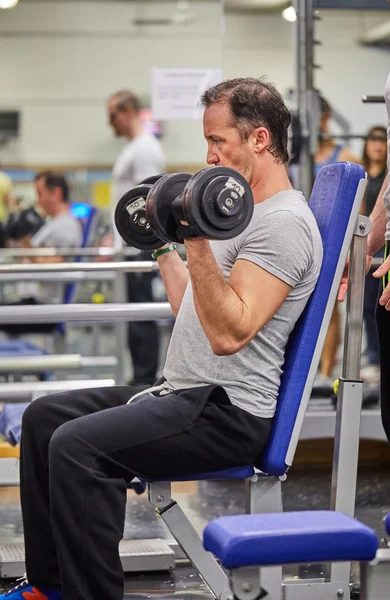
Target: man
{"type": "Point", "coordinates": [328, 153]}
{"type": "Point", "coordinates": [141, 157]}
{"type": "Point", "coordinates": [60, 230]}
{"type": "Point", "coordinates": [236, 305]}
{"type": "Point", "coordinates": [380, 219]}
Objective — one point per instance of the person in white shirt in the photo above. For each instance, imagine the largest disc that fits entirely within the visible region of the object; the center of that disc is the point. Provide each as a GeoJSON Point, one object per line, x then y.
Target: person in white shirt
{"type": "Point", "coordinates": [141, 157]}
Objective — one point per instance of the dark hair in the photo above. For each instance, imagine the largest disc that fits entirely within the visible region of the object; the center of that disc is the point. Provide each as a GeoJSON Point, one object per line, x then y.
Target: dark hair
{"type": "Point", "coordinates": [126, 99]}
{"type": "Point", "coordinates": [254, 103]}
{"type": "Point", "coordinates": [370, 134]}
{"type": "Point", "coordinates": [55, 180]}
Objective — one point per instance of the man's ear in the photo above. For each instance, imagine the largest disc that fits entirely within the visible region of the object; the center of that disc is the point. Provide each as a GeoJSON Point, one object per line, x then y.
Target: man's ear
{"type": "Point", "coordinates": [261, 139]}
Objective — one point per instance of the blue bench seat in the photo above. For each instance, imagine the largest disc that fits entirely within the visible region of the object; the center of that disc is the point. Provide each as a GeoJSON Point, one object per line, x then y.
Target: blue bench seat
{"type": "Point", "coordinates": [289, 538]}
{"type": "Point", "coordinates": [233, 473]}
{"type": "Point", "coordinates": [387, 523]}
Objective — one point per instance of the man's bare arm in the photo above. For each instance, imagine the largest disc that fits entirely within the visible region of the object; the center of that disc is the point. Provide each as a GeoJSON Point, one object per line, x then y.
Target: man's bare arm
{"type": "Point", "coordinates": [175, 276]}
{"type": "Point", "coordinates": [231, 312]}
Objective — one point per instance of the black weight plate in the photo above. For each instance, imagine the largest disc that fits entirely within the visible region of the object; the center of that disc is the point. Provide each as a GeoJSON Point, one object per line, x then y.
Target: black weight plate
{"type": "Point", "coordinates": [151, 180]}
{"type": "Point", "coordinates": [159, 205]}
{"type": "Point", "coordinates": [200, 210]}
{"type": "Point", "coordinates": [214, 215]}
{"type": "Point", "coordinates": [131, 221]}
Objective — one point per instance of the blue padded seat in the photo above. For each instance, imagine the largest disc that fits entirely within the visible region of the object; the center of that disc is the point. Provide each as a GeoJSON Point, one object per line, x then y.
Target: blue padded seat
{"type": "Point", "coordinates": [289, 538]}
{"type": "Point", "coordinates": [387, 523]}
{"type": "Point", "coordinates": [234, 473]}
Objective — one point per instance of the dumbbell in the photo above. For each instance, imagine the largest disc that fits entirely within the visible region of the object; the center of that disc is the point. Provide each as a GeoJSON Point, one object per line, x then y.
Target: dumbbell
{"type": "Point", "coordinates": [217, 203]}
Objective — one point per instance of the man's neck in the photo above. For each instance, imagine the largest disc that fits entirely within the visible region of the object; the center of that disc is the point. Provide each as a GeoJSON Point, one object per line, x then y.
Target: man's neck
{"type": "Point", "coordinates": [272, 180]}
{"type": "Point", "coordinates": [135, 129]}
{"type": "Point", "coordinates": [60, 210]}
{"type": "Point", "coordinates": [375, 168]}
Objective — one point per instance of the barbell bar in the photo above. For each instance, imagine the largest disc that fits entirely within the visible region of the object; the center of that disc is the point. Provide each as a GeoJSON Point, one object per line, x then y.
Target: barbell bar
{"type": "Point", "coordinates": [373, 99]}
{"type": "Point", "coordinates": [83, 313]}
{"type": "Point", "coordinates": [125, 267]}
{"type": "Point", "coordinates": [93, 251]}
{"type": "Point", "coordinates": [16, 392]}
{"type": "Point", "coordinates": [55, 362]}
{"type": "Point", "coordinates": [74, 277]}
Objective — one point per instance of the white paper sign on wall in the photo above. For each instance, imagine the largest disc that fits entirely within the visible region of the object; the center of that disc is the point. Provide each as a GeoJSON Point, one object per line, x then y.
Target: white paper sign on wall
{"type": "Point", "coordinates": [176, 92]}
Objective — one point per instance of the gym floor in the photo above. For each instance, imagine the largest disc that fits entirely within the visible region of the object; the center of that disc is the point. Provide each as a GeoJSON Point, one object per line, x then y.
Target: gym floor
{"type": "Point", "coordinates": [305, 488]}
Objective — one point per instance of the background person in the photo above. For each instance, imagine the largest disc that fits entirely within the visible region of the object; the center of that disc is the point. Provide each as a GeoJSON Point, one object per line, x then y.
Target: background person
{"type": "Point", "coordinates": [374, 161]}
{"type": "Point", "coordinates": [328, 153]}
{"type": "Point", "coordinates": [380, 232]}
{"type": "Point", "coordinates": [140, 158]}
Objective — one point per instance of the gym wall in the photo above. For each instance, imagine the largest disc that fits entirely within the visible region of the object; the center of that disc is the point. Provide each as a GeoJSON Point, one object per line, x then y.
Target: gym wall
{"type": "Point", "coordinates": [60, 61]}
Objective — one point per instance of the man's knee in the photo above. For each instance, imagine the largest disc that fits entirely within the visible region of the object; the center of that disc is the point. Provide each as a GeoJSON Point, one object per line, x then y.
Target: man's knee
{"type": "Point", "coordinates": [41, 415]}
{"type": "Point", "coordinates": [67, 444]}
{"type": "Point", "coordinates": [37, 410]}
{"type": "Point", "coordinates": [62, 442]}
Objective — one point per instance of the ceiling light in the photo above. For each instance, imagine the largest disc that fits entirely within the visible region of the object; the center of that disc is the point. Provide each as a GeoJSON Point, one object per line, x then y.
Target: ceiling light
{"type": "Point", "coordinates": [8, 3]}
{"type": "Point", "coordinates": [289, 14]}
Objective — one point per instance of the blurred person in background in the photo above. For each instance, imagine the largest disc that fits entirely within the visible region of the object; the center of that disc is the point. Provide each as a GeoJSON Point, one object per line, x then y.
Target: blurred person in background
{"type": "Point", "coordinates": [374, 161]}
{"type": "Point", "coordinates": [58, 229]}
{"type": "Point", "coordinates": [6, 195]}
{"type": "Point", "coordinates": [328, 153]}
{"type": "Point", "coordinates": [141, 157]}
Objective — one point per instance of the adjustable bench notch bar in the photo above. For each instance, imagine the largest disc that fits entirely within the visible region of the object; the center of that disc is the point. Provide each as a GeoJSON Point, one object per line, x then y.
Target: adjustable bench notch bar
{"type": "Point", "coordinates": [350, 394]}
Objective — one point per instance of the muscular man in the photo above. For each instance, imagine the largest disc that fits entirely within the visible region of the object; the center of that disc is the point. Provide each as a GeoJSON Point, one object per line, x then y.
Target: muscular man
{"type": "Point", "coordinates": [141, 157]}
{"type": "Point", "coordinates": [236, 305]}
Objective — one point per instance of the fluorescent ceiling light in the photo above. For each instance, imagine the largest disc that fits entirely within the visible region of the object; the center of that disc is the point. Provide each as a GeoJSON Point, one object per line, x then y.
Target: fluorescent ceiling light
{"type": "Point", "coordinates": [289, 14]}
{"type": "Point", "coordinates": [8, 3]}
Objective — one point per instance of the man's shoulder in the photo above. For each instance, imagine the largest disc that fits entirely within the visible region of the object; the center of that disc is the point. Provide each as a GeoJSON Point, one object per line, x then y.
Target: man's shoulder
{"type": "Point", "coordinates": [283, 204]}
{"type": "Point", "coordinates": [289, 213]}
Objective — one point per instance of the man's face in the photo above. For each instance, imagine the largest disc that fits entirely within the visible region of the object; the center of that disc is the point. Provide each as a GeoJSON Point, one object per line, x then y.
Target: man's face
{"type": "Point", "coordinates": [47, 198]}
{"type": "Point", "coordinates": [117, 118]}
{"type": "Point", "coordinates": [225, 148]}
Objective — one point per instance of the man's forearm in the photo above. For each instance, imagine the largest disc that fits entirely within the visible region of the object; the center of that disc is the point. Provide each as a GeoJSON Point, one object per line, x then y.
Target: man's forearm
{"type": "Point", "coordinates": [378, 218]}
{"type": "Point", "coordinates": [219, 308]}
{"type": "Point", "coordinates": [175, 276]}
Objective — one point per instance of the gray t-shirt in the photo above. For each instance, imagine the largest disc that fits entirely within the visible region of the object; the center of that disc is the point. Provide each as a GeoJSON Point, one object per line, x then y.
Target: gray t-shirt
{"type": "Point", "coordinates": [386, 197]}
{"type": "Point", "coordinates": [282, 238]}
{"type": "Point", "coordinates": [63, 231]}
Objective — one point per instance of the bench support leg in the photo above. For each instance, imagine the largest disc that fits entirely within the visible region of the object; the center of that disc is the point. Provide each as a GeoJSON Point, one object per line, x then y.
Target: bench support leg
{"type": "Point", "coordinates": [263, 494]}
{"type": "Point", "coordinates": [246, 585]}
{"type": "Point", "coordinates": [189, 540]}
{"type": "Point", "coordinates": [374, 577]}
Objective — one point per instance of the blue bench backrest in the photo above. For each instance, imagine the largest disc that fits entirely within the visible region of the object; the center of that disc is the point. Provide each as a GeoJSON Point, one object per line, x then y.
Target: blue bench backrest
{"type": "Point", "coordinates": [86, 214]}
{"type": "Point", "coordinates": [335, 201]}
